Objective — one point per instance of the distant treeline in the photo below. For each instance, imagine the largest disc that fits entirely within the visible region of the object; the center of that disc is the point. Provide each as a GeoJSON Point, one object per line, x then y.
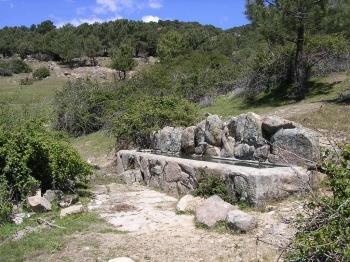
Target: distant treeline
{"type": "Point", "coordinates": [68, 42]}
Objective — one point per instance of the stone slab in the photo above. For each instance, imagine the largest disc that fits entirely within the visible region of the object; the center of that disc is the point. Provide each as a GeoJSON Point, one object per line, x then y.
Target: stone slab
{"type": "Point", "coordinates": [180, 176]}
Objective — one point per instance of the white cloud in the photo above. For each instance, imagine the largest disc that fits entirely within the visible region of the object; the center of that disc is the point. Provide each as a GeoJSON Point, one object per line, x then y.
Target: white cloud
{"type": "Point", "coordinates": [150, 18]}
{"type": "Point", "coordinates": [155, 4]}
{"type": "Point", "coordinates": [91, 20]}
{"type": "Point", "coordinates": [113, 6]}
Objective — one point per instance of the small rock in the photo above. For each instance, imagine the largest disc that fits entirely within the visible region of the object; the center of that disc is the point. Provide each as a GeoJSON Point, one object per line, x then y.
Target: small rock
{"type": "Point", "coordinates": [18, 218]}
{"type": "Point", "coordinates": [68, 200]}
{"type": "Point", "coordinates": [271, 124]}
{"type": "Point", "coordinates": [131, 176]}
{"type": "Point", "coordinates": [76, 209]}
{"type": "Point", "coordinates": [38, 204]}
{"type": "Point", "coordinates": [262, 153]}
{"type": "Point", "coordinates": [189, 203]}
{"type": "Point", "coordinates": [244, 151]}
{"type": "Point", "coordinates": [199, 133]}
{"type": "Point", "coordinates": [228, 149]}
{"type": "Point", "coordinates": [121, 259]}
{"type": "Point", "coordinates": [212, 151]}
{"type": "Point", "coordinates": [52, 195]}
{"type": "Point", "coordinates": [213, 210]}
{"type": "Point", "coordinates": [241, 221]}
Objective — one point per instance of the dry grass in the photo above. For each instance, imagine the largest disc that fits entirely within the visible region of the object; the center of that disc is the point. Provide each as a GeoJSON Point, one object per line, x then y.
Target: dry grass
{"type": "Point", "coordinates": [330, 118]}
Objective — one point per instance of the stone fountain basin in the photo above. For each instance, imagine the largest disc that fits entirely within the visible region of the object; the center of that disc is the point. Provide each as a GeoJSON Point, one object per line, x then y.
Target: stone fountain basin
{"type": "Point", "coordinates": [180, 176]}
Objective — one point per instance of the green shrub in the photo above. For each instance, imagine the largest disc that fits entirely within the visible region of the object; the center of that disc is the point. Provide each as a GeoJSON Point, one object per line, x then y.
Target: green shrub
{"type": "Point", "coordinates": [82, 105]}
{"type": "Point", "coordinates": [17, 66]}
{"type": "Point", "coordinates": [209, 185]}
{"type": "Point", "coordinates": [5, 201]}
{"type": "Point", "coordinates": [324, 234]}
{"type": "Point", "coordinates": [145, 114]}
{"type": "Point", "coordinates": [32, 157]}
{"type": "Point", "coordinates": [41, 73]}
{"type": "Point", "coordinates": [13, 66]}
{"type": "Point", "coordinates": [26, 81]}
{"type": "Point", "coordinates": [5, 71]}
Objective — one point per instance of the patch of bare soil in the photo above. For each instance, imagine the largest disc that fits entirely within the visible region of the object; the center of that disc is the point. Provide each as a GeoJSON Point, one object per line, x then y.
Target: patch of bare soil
{"type": "Point", "coordinates": [291, 111]}
{"type": "Point", "coordinates": [154, 232]}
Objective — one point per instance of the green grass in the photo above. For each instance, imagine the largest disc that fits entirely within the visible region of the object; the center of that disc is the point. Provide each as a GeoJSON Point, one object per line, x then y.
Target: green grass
{"type": "Point", "coordinates": [94, 145]}
{"type": "Point", "coordinates": [48, 241]}
{"type": "Point", "coordinates": [35, 99]}
{"type": "Point", "coordinates": [324, 89]}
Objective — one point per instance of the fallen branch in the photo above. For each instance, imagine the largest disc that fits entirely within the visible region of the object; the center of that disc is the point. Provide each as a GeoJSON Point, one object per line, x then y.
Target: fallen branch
{"type": "Point", "coordinates": [43, 221]}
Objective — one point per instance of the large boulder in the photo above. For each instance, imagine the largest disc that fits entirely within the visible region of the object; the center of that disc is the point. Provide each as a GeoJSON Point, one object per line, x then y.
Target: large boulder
{"type": "Point", "coordinates": [53, 195]}
{"type": "Point", "coordinates": [246, 128]}
{"type": "Point", "coordinates": [240, 221]}
{"type": "Point", "coordinates": [167, 140]}
{"type": "Point", "coordinates": [188, 140]}
{"type": "Point", "coordinates": [271, 124]}
{"type": "Point", "coordinates": [38, 204]}
{"type": "Point", "coordinates": [296, 146]}
{"type": "Point", "coordinates": [189, 203]}
{"type": "Point", "coordinates": [213, 210]}
{"type": "Point", "coordinates": [214, 130]}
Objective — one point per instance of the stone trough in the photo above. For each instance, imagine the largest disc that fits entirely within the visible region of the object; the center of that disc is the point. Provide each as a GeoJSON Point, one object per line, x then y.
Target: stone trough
{"type": "Point", "coordinates": [180, 176]}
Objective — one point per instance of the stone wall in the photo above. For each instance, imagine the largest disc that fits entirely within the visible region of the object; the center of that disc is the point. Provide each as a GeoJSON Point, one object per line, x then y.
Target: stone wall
{"type": "Point", "coordinates": [180, 176]}
{"type": "Point", "coordinates": [247, 136]}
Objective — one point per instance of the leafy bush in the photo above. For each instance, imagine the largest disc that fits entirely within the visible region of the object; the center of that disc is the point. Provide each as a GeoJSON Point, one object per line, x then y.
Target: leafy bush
{"type": "Point", "coordinates": [32, 157]}
{"type": "Point", "coordinates": [324, 235]}
{"type": "Point", "coordinates": [5, 201]}
{"type": "Point", "coordinates": [209, 185]}
{"type": "Point", "coordinates": [82, 105]}
{"type": "Point", "coordinates": [145, 114]}
{"type": "Point", "coordinates": [41, 73]}
{"type": "Point", "coordinates": [13, 66]}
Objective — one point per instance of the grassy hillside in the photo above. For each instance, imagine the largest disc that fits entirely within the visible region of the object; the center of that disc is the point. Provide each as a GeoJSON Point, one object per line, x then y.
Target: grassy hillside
{"type": "Point", "coordinates": [321, 90]}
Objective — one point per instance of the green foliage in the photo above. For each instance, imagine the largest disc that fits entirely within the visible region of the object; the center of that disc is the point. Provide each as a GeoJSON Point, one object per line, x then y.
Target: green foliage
{"type": "Point", "coordinates": [13, 66]}
{"type": "Point", "coordinates": [26, 81]}
{"type": "Point", "coordinates": [41, 73]}
{"type": "Point", "coordinates": [122, 59]}
{"type": "Point", "coordinates": [324, 235]}
{"type": "Point", "coordinates": [31, 157]}
{"type": "Point", "coordinates": [5, 201]}
{"type": "Point", "coordinates": [145, 114]}
{"type": "Point", "coordinates": [80, 107]}
{"type": "Point", "coordinates": [209, 185]}
{"type": "Point", "coordinates": [172, 44]}
{"type": "Point", "coordinates": [92, 48]}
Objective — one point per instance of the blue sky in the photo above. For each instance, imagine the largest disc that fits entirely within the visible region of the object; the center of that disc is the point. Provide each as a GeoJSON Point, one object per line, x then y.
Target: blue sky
{"type": "Point", "coordinates": [220, 13]}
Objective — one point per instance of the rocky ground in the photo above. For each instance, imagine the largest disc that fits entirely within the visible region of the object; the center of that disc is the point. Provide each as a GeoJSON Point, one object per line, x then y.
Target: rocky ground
{"type": "Point", "coordinates": [154, 232]}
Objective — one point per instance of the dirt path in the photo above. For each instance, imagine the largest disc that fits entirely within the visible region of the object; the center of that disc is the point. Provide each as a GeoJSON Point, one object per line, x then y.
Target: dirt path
{"type": "Point", "coordinates": [294, 110]}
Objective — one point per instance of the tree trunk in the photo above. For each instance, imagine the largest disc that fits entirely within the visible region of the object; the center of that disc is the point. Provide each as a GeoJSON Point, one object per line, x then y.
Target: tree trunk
{"type": "Point", "coordinates": [299, 64]}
